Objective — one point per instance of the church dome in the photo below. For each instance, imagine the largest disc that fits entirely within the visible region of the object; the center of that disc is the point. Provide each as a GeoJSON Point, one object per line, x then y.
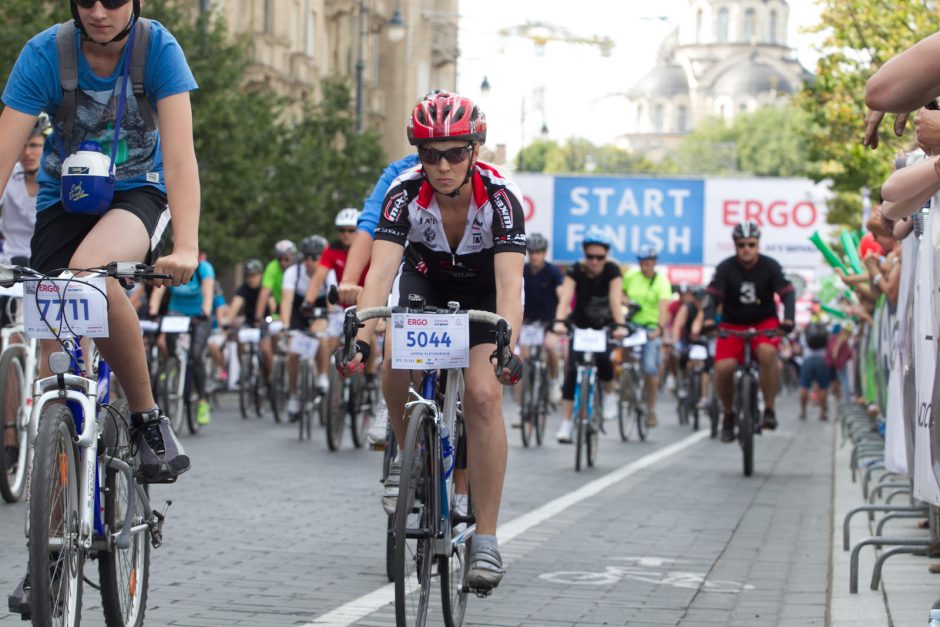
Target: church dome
{"type": "Point", "coordinates": [664, 81]}
{"type": "Point", "coordinates": [751, 77]}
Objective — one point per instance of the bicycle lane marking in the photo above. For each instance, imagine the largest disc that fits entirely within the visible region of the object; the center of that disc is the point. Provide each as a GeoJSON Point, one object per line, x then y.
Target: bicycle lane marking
{"type": "Point", "coordinates": [367, 604]}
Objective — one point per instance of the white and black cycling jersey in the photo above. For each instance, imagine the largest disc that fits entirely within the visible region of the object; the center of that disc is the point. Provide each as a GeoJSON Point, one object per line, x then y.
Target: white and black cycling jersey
{"type": "Point", "coordinates": [495, 224]}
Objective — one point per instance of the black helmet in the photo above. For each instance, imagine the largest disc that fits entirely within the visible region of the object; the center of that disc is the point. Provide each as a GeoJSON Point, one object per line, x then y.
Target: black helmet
{"type": "Point", "coordinates": [313, 246]}
{"type": "Point", "coordinates": [698, 292]}
{"type": "Point", "coordinates": [254, 266]}
{"type": "Point", "coordinates": [536, 243]}
{"type": "Point", "coordinates": [746, 229]}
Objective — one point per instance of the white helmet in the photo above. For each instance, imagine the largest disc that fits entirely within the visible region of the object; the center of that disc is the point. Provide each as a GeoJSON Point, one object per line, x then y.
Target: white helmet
{"type": "Point", "coordinates": [347, 218]}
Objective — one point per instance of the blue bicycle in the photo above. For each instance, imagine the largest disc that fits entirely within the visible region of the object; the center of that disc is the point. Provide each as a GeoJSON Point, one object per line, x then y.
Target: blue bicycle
{"type": "Point", "coordinates": [84, 499]}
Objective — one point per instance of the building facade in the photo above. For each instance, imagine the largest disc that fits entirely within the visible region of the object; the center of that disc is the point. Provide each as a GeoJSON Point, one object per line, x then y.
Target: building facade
{"type": "Point", "coordinates": [725, 57]}
{"type": "Point", "coordinates": [298, 42]}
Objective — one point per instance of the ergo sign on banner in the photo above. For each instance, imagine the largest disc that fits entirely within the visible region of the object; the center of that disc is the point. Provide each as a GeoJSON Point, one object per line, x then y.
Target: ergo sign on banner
{"type": "Point", "coordinates": [688, 220]}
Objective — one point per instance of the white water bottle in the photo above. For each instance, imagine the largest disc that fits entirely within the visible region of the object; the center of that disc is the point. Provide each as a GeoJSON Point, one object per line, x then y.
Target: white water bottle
{"type": "Point", "coordinates": [447, 451]}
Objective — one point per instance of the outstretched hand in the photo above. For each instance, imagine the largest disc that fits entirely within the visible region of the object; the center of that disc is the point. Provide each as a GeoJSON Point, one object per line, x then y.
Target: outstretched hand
{"type": "Point", "coordinates": [873, 121]}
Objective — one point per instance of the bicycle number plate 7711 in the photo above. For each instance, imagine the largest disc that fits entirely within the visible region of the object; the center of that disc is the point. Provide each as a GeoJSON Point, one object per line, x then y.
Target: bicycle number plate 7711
{"type": "Point", "coordinates": [430, 341]}
{"type": "Point", "coordinates": [65, 308]}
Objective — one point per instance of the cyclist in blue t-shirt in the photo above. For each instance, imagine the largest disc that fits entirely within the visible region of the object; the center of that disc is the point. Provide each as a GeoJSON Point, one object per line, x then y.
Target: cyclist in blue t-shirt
{"type": "Point", "coordinates": [152, 166]}
{"type": "Point", "coordinates": [542, 289]}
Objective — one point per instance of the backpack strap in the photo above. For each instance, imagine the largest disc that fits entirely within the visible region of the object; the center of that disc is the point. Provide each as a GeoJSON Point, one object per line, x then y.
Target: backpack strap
{"type": "Point", "coordinates": [68, 77]}
{"type": "Point", "coordinates": [138, 65]}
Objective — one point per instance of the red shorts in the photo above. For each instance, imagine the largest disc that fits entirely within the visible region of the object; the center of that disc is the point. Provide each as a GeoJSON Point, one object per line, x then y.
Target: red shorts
{"type": "Point", "coordinates": [733, 347]}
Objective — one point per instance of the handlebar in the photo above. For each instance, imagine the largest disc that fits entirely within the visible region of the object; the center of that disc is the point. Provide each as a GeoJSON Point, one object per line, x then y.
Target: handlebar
{"type": "Point", "coordinates": [121, 270]}
{"type": "Point", "coordinates": [354, 320]}
{"type": "Point", "coordinates": [748, 333]}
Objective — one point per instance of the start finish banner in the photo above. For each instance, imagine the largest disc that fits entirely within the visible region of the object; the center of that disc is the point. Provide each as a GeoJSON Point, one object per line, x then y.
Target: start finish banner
{"type": "Point", "coordinates": [688, 221]}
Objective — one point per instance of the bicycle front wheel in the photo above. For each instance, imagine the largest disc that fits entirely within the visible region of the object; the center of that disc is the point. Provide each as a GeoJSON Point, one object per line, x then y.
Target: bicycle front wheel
{"type": "Point", "coordinates": [455, 573]}
{"type": "Point", "coordinates": [527, 408]}
{"type": "Point", "coordinates": [246, 385]}
{"type": "Point", "coordinates": [364, 399]}
{"type": "Point", "coordinates": [174, 398]}
{"type": "Point", "coordinates": [335, 411]}
{"type": "Point", "coordinates": [416, 513]}
{"type": "Point", "coordinates": [278, 388]}
{"type": "Point", "coordinates": [541, 408]}
{"type": "Point", "coordinates": [582, 419]}
{"type": "Point", "coordinates": [745, 424]}
{"type": "Point", "coordinates": [124, 573]}
{"type": "Point", "coordinates": [626, 408]}
{"type": "Point", "coordinates": [14, 416]}
{"type": "Point", "coordinates": [55, 558]}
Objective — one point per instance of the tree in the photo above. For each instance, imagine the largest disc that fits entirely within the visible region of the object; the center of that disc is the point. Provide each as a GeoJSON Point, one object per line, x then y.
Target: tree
{"type": "Point", "coordinates": [772, 141]}
{"type": "Point", "coordinates": [860, 35]}
{"type": "Point", "coordinates": [20, 20]}
{"type": "Point", "coordinates": [578, 155]}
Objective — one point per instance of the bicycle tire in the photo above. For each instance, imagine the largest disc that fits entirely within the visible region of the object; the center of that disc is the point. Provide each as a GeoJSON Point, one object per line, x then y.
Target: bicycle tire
{"type": "Point", "coordinates": [591, 430]}
{"type": "Point", "coordinates": [391, 450]}
{"type": "Point", "coordinates": [259, 388]}
{"type": "Point", "coordinates": [174, 401]}
{"type": "Point", "coordinates": [714, 413]}
{"type": "Point", "coordinates": [278, 388]}
{"type": "Point", "coordinates": [303, 388]}
{"type": "Point", "coordinates": [581, 419]}
{"type": "Point", "coordinates": [695, 392]}
{"type": "Point", "coordinates": [455, 570]}
{"type": "Point", "coordinates": [541, 416]}
{"type": "Point", "coordinates": [682, 408]}
{"type": "Point", "coordinates": [362, 412]}
{"type": "Point", "coordinates": [745, 424]}
{"type": "Point", "coordinates": [191, 407]}
{"type": "Point", "coordinates": [417, 507]}
{"type": "Point", "coordinates": [335, 411]}
{"type": "Point", "coordinates": [527, 404]}
{"type": "Point", "coordinates": [14, 460]}
{"type": "Point", "coordinates": [124, 573]}
{"type": "Point", "coordinates": [53, 513]}
{"type": "Point", "coordinates": [246, 385]}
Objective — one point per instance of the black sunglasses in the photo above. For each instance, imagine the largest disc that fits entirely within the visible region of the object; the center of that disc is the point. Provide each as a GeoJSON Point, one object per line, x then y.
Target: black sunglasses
{"type": "Point", "coordinates": [108, 4]}
{"type": "Point", "coordinates": [596, 257]}
{"type": "Point", "coordinates": [346, 230]}
{"type": "Point", "coordinates": [453, 155]}
{"type": "Point", "coordinates": [745, 244]}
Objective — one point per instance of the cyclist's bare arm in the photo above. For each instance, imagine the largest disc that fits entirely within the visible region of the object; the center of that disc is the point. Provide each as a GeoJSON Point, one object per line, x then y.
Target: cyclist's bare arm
{"type": "Point", "coordinates": [905, 207]}
{"type": "Point", "coordinates": [615, 295]}
{"type": "Point", "coordinates": [287, 304]}
{"type": "Point", "coordinates": [234, 309]}
{"type": "Point", "coordinates": [682, 316]}
{"type": "Point", "coordinates": [908, 80]}
{"type": "Point", "coordinates": [912, 181]}
{"type": "Point", "coordinates": [566, 293]}
{"type": "Point", "coordinates": [182, 188]}
{"type": "Point", "coordinates": [386, 257]}
{"type": "Point", "coordinates": [508, 268]}
{"type": "Point", "coordinates": [356, 261]}
{"type": "Point", "coordinates": [14, 132]}
{"type": "Point", "coordinates": [316, 282]}
{"type": "Point", "coordinates": [156, 296]}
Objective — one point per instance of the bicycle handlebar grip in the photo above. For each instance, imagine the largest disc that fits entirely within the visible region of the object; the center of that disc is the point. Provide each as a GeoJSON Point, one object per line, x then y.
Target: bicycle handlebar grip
{"type": "Point", "coordinates": [502, 343]}
{"type": "Point", "coordinates": [332, 295]}
{"type": "Point", "coordinates": [350, 328]}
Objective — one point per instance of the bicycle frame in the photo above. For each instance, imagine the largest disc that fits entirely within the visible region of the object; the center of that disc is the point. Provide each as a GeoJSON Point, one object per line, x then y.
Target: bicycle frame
{"type": "Point", "coordinates": [585, 369]}
{"type": "Point", "coordinates": [83, 395]}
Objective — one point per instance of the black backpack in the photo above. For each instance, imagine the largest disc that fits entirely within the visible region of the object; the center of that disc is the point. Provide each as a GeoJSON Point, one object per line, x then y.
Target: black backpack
{"type": "Point", "coordinates": [817, 335]}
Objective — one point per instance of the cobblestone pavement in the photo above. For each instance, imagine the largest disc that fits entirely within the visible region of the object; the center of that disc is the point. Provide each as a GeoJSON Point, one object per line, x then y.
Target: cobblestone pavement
{"type": "Point", "coordinates": [267, 530]}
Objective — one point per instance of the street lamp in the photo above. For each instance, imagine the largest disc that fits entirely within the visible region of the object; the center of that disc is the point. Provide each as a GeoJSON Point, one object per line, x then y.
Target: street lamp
{"type": "Point", "coordinates": [395, 31]}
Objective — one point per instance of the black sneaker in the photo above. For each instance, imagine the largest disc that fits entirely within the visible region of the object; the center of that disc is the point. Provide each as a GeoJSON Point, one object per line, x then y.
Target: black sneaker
{"type": "Point", "coordinates": [727, 428]}
{"type": "Point", "coordinates": [770, 420]}
{"type": "Point", "coordinates": [19, 601]}
{"type": "Point", "coordinates": [161, 456]}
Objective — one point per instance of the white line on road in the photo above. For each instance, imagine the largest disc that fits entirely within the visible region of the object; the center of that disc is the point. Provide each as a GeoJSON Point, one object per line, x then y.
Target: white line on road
{"type": "Point", "coordinates": [375, 600]}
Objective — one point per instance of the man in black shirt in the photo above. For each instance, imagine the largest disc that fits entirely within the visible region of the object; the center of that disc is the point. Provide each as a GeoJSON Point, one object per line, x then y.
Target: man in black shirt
{"type": "Point", "coordinates": [744, 286]}
{"type": "Point", "coordinates": [595, 285]}
{"type": "Point", "coordinates": [246, 296]}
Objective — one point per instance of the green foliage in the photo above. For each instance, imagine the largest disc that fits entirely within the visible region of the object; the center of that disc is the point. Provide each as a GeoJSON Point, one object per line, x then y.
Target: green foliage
{"type": "Point", "coordinates": [263, 176]}
{"type": "Point", "coordinates": [20, 20]}
{"type": "Point", "coordinates": [860, 35]}
{"type": "Point", "coordinates": [578, 155]}
{"type": "Point", "coordinates": [768, 142]}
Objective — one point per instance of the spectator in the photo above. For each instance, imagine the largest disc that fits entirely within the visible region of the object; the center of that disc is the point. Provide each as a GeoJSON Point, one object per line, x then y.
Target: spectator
{"type": "Point", "coordinates": [838, 355]}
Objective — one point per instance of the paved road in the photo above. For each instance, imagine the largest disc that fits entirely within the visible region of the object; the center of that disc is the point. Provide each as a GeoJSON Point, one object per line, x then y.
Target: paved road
{"type": "Point", "coordinates": [266, 530]}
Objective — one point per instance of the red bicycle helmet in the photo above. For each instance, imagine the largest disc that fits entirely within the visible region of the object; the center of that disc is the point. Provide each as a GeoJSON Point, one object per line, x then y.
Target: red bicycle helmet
{"type": "Point", "coordinates": [443, 116]}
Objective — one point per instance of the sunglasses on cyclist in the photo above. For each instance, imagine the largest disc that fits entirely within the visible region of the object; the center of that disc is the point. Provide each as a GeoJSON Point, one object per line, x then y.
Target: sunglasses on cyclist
{"type": "Point", "coordinates": [108, 4]}
{"type": "Point", "coordinates": [346, 230]}
{"type": "Point", "coordinates": [745, 244]}
{"type": "Point", "coordinates": [595, 257]}
{"type": "Point", "coordinates": [453, 155]}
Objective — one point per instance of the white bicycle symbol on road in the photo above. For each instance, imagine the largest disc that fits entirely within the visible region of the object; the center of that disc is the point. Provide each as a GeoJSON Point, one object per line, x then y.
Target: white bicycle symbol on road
{"type": "Point", "coordinates": [648, 569]}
